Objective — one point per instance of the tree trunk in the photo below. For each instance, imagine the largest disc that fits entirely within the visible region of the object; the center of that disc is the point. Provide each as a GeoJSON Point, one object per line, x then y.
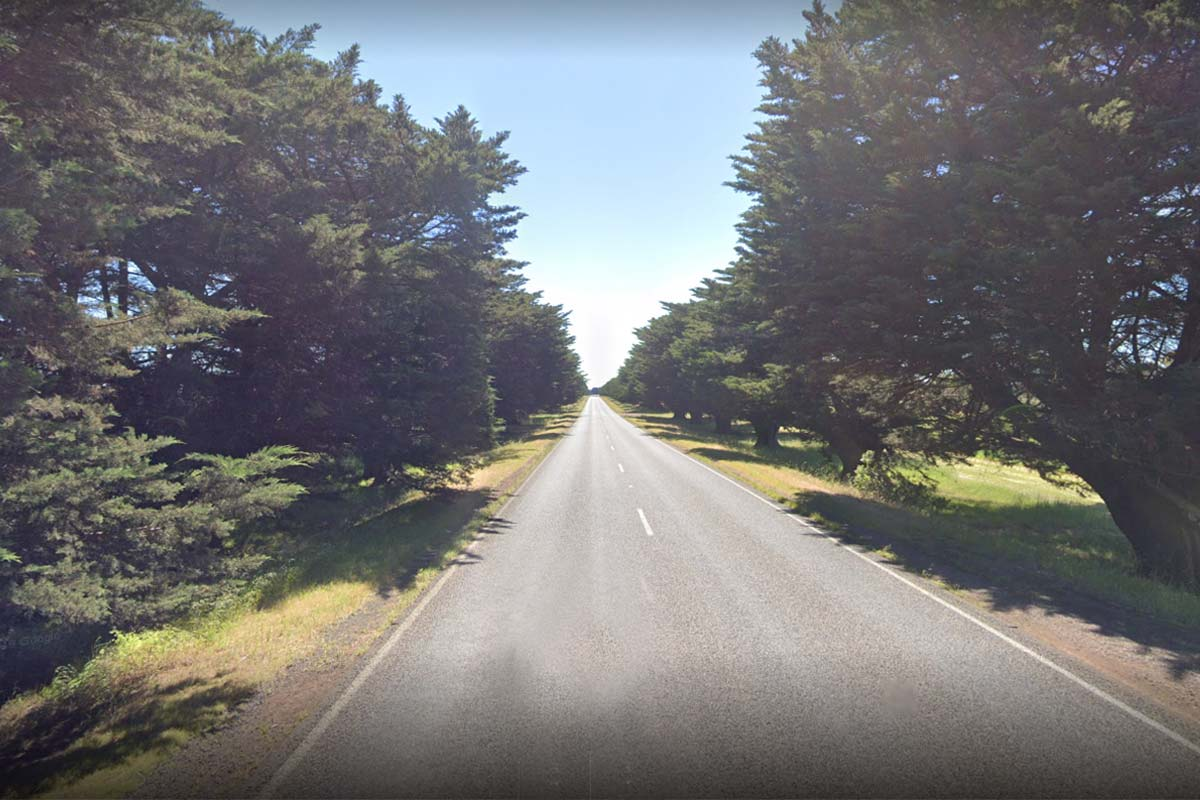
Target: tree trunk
{"type": "Point", "coordinates": [376, 466]}
{"type": "Point", "coordinates": [105, 294]}
{"type": "Point", "coordinates": [848, 450]}
{"type": "Point", "coordinates": [850, 455]}
{"type": "Point", "coordinates": [1161, 523]}
{"type": "Point", "coordinates": [766, 433]}
{"type": "Point", "coordinates": [722, 423]}
{"type": "Point", "coordinates": [696, 417]}
{"type": "Point", "coordinates": [123, 287]}
{"type": "Point", "coordinates": [678, 416]}
{"type": "Point", "coordinates": [1157, 510]}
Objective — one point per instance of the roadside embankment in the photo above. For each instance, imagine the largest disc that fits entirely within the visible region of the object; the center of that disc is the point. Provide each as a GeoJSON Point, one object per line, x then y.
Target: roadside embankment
{"type": "Point", "coordinates": [274, 652]}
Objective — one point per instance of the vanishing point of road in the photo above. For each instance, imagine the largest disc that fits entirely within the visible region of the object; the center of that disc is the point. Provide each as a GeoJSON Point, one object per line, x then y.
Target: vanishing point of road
{"type": "Point", "coordinates": [636, 624]}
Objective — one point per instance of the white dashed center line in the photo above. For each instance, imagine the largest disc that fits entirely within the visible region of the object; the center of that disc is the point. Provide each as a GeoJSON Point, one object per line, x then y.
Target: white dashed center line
{"type": "Point", "coordinates": [620, 466]}
{"type": "Point", "coordinates": [645, 524]}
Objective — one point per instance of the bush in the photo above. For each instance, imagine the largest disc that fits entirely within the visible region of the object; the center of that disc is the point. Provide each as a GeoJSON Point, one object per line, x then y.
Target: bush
{"type": "Point", "coordinates": [99, 532]}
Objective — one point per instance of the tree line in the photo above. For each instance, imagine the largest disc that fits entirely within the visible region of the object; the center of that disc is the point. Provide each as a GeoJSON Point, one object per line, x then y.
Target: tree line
{"type": "Point", "coordinates": [974, 227]}
{"type": "Point", "coordinates": [230, 271]}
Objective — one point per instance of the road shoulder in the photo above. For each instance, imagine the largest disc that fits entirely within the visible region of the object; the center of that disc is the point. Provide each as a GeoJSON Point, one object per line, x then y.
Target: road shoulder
{"type": "Point", "coordinates": [240, 758]}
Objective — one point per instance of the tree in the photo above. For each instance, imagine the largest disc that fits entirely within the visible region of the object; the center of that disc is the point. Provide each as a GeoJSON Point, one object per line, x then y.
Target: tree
{"type": "Point", "coordinates": [704, 354]}
{"type": "Point", "coordinates": [95, 527]}
{"type": "Point", "coordinates": [218, 254]}
{"type": "Point", "coordinates": [999, 201]}
{"type": "Point", "coordinates": [755, 386]}
{"type": "Point", "coordinates": [655, 369]}
{"type": "Point", "coordinates": [369, 243]}
{"type": "Point", "coordinates": [622, 386]}
{"type": "Point", "coordinates": [530, 355]}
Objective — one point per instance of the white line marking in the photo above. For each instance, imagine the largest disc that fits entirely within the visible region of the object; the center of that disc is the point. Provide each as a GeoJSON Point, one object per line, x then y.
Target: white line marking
{"type": "Point", "coordinates": [309, 741]}
{"type": "Point", "coordinates": [610, 447]}
{"type": "Point", "coordinates": [645, 524]}
{"type": "Point", "coordinates": [620, 466]}
{"type": "Point", "coordinates": [1066, 673]}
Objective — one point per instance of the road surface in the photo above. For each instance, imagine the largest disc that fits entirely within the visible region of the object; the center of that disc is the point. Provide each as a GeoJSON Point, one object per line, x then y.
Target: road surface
{"type": "Point", "coordinates": [636, 624]}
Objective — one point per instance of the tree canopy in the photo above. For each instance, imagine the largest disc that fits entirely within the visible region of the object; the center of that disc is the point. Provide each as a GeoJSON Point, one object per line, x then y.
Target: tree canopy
{"type": "Point", "coordinates": [228, 271]}
{"type": "Point", "coordinates": [974, 225]}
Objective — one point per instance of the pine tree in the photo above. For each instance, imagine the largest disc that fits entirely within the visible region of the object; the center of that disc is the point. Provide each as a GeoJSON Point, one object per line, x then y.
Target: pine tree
{"type": "Point", "coordinates": [992, 202]}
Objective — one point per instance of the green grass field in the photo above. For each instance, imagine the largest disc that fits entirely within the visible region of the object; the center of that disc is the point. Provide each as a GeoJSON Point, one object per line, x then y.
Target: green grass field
{"type": "Point", "coordinates": [1004, 516]}
{"type": "Point", "coordinates": [103, 723]}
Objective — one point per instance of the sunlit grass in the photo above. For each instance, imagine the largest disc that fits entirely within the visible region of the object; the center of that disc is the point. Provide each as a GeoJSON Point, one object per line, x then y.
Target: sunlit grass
{"type": "Point", "coordinates": [100, 726]}
{"type": "Point", "coordinates": [1005, 516]}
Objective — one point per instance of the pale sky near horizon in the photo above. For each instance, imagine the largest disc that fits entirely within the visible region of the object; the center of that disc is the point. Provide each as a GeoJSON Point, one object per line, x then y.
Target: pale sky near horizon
{"type": "Point", "coordinates": [624, 113]}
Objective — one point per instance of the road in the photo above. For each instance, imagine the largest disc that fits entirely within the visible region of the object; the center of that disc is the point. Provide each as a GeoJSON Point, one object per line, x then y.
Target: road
{"type": "Point", "coordinates": [637, 624]}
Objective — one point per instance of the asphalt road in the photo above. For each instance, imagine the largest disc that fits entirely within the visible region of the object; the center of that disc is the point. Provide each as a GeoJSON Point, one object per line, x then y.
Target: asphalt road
{"type": "Point", "coordinates": [636, 624]}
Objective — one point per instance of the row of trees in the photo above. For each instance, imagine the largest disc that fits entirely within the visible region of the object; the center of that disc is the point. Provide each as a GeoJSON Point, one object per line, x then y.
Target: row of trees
{"type": "Point", "coordinates": [974, 226]}
{"type": "Point", "coordinates": [228, 269]}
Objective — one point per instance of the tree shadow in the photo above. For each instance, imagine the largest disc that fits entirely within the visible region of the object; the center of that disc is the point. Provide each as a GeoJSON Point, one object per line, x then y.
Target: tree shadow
{"type": "Point", "coordinates": [383, 536]}
{"type": "Point", "coordinates": [808, 460]}
{"type": "Point", "coordinates": [380, 534]}
{"type": "Point", "coordinates": [538, 427]}
{"type": "Point", "coordinates": [387, 547]}
{"type": "Point", "coordinates": [495, 526]}
{"type": "Point", "coordinates": [537, 437]}
{"type": "Point", "coordinates": [797, 449]}
{"type": "Point", "coordinates": [58, 743]}
{"type": "Point", "coordinates": [1005, 576]}
{"type": "Point", "coordinates": [998, 550]}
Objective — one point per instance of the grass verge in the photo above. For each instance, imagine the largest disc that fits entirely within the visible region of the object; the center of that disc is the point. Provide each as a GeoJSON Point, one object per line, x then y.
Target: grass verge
{"type": "Point", "coordinates": [101, 726]}
{"type": "Point", "coordinates": [1002, 517]}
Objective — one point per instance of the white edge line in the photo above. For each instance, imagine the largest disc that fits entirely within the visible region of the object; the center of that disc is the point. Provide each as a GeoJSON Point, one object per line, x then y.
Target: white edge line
{"type": "Point", "coordinates": [293, 760]}
{"type": "Point", "coordinates": [1095, 690]}
{"type": "Point", "coordinates": [620, 466]}
{"type": "Point", "coordinates": [645, 523]}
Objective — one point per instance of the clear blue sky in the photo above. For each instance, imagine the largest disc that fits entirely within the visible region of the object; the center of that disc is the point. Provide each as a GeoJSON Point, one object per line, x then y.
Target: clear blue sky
{"type": "Point", "coordinates": [625, 114]}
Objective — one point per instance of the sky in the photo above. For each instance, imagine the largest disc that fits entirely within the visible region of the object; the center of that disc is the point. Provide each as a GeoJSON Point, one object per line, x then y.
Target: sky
{"type": "Point", "coordinates": [624, 113]}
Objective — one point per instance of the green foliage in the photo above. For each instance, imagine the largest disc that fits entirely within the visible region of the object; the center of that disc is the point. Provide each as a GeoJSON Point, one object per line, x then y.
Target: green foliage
{"type": "Point", "coordinates": [892, 478]}
{"type": "Point", "coordinates": [105, 534]}
{"type": "Point", "coordinates": [222, 262]}
{"type": "Point", "coordinates": [972, 228]}
{"type": "Point", "coordinates": [1006, 226]}
{"type": "Point", "coordinates": [531, 360]}
{"type": "Point", "coordinates": [656, 374]}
